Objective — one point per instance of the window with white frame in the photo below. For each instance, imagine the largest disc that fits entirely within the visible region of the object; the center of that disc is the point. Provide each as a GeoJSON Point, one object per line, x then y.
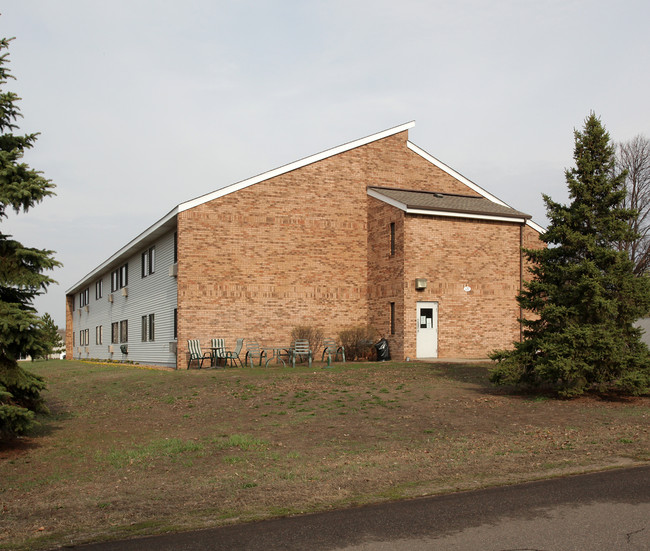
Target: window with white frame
{"type": "Point", "coordinates": [84, 297]}
{"type": "Point", "coordinates": [120, 278]}
{"type": "Point", "coordinates": [84, 337]}
{"type": "Point", "coordinates": [99, 289]}
{"type": "Point", "coordinates": [98, 334]}
{"type": "Point", "coordinates": [149, 261]}
{"type": "Point", "coordinates": [148, 328]}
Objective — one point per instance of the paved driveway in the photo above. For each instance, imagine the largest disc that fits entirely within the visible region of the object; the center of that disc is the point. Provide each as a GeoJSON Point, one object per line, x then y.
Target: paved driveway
{"type": "Point", "coordinates": [600, 511]}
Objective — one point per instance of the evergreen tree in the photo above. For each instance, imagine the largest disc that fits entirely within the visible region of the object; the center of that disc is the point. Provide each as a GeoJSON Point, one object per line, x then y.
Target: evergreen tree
{"type": "Point", "coordinates": [21, 270]}
{"type": "Point", "coordinates": [584, 296]}
{"type": "Point", "coordinates": [51, 339]}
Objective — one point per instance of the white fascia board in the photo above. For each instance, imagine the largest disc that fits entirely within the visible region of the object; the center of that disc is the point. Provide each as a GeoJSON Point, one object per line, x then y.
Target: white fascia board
{"type": "Point", "coordinates": [468, 183]}
{"type": "Point", "coordinates": [536, 226]}
{"type": "Point", "coordinates": [453, 214]}
{"type": "Point", "coordinates": [293, 166]}
{"type": "Point", "coordinates": [388, 200]}
{"type": "Point", "coordinates": [466, 215]}
{"type": "Point", "coordinates": [127, 250]}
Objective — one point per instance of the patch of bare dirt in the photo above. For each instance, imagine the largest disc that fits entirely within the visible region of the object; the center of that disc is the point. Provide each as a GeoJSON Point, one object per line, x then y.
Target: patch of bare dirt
{"type": "Point", "coordinates": [131, 451]}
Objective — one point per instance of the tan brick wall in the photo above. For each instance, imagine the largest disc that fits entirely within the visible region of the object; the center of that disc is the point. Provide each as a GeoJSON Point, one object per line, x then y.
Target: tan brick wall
{"type": "Point", "coordinates": [386, 272]}
{"type": "Point", "coordinates": [309, 247]}
{"type": "Point", "coordinates": [454, 253]}
{"type": "Point", "coordinates": [69, 329]}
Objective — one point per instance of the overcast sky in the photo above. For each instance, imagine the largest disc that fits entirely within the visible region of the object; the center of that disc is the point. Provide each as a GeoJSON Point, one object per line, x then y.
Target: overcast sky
{"type": "Point", "coordinates": [143, 104]}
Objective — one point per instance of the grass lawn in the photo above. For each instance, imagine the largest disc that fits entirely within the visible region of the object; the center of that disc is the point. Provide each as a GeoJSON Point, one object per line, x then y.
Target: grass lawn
{"type": "Point", "coordinates": [130, 451]}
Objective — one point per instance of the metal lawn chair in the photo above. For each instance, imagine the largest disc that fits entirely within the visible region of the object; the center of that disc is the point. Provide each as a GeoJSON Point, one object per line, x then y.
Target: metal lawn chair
{"type": "Point", "coordinates": [301, 350]}
{"type": "Point", "coordinates": [253, 352]}
{"type": "Point", "coordinates": [194, 348]}
{"type": "Point", "coordinates": [333, 350]}
{"type": "Point", "coordinates": [233, 355]}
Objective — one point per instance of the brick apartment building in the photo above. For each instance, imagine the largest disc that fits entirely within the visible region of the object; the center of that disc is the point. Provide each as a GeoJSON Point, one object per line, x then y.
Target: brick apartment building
{"type": "Point", "coordinates": [374, 232]}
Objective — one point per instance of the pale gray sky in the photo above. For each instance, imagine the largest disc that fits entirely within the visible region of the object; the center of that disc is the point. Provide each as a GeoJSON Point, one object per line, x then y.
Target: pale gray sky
{"type": "Point", "coordinates": [143, 104]}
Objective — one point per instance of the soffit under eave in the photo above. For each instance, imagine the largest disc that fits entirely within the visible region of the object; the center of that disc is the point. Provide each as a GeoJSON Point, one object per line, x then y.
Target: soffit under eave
{"type": "Point", "coordinates": [166, 224]}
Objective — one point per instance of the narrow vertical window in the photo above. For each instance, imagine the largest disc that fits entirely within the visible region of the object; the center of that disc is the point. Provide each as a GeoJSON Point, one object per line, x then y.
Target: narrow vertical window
{"type": "Point", "coordinates": [151, 327]}
{"type": "Point", "coordinates": [392, 238]}
{"type": "Point", "coordinates": [144, 328]}
{"type": "Point", "coordinates": [145, 264]}
{"type": "Point", "coordinates": [175, 323]}
{"type": "Point", "coordinates": [124, 331]}
{"type": "Point", "coordinates": [175, 247]}
{"type": "Point", "coordinates": [84, 297]}
{"type": "Point", "coordinates": [114, 333]}
{"type": "Point", "coordinates": [99, 289]}
{"type": "Point", "coordinates": [392, 318]}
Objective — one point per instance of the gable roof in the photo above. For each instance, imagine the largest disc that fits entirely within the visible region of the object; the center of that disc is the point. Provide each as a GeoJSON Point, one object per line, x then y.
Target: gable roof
{"type": "Point", "coordinates": [458, 176]}
{"type": "Point", "coordinates": [447, 204]}
{"type": "Point", "coordinates": [293, 166]}
{"type": "Point", "coordinates": [168, 222]}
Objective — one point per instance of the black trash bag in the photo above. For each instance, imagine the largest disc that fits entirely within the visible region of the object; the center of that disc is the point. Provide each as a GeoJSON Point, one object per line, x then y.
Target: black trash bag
{"type": "Point", "coordinates": [383, 354]}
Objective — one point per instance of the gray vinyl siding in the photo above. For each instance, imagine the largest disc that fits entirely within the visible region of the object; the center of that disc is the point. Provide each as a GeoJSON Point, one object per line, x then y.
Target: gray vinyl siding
{"type": "Point", "coordinates": [155, 294]}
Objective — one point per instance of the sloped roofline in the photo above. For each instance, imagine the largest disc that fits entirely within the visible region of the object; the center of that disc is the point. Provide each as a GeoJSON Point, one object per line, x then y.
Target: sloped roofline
{"type": "Point", "coordinates": [170, 218]}
{"type": "Point", "coordinates": [478, 189]}
{"type": "Point", "coordinates": [293, 166]}
{"type": "Point", "coordinates": [512, 216]}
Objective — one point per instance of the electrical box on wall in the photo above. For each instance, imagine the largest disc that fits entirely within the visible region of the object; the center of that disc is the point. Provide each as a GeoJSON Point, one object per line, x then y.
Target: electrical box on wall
{"type": "Point", "coordinates": [420, 284]}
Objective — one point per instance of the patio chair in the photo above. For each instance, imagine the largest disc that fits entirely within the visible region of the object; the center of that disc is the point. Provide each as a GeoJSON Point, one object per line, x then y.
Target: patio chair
{"type": "Point", "coordinates": [301, 350]}
{"type": "Point", "coordinates": [233, 355]}
{"type": "Point", "coordinates": [218, 347]}
{"type": "Point", "coordinates": [253, 352]}
{"type": "Point", "coordinates": [194, 348]}
{"type": "Point", "coordinates": [331, 348]}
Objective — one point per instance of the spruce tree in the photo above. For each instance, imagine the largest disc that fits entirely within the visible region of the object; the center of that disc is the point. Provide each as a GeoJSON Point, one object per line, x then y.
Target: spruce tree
{"type": "Point", "coordinates": [21, 270]}
{"type": "Point", "coordinates": [583, 297]}
{"type": "Point", "coordinates": [51, 339]}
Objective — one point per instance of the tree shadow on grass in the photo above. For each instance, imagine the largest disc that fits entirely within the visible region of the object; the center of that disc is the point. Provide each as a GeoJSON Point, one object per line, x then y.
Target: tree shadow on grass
{"type": "Point", "coordinates": [474, 373]}
{"type": "Point", "coordinates": [46, 425]}
{"type": "Point", "coordinates": [479, 374]}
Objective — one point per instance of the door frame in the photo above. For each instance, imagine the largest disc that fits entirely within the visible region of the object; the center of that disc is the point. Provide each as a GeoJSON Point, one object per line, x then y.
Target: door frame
{"type": "Point", "coordinates": [418, 306]}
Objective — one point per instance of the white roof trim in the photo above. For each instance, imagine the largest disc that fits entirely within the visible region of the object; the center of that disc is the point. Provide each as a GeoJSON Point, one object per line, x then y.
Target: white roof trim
{"type": "Point", "coordinates": [466, 215]}
{"type": "Point", "coordinates": [231, 189]}
{"type": "Point", "coordinates": [123, 251]}
{"type": "Point", "coordinates": [478, 189]}
{"type": "Point", "coordinates": [292, 166]}
{"type": "Point", "coordinates": [404, 207]}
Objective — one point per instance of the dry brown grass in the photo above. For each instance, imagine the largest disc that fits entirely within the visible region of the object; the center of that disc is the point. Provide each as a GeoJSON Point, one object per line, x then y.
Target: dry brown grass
{"type": "Point", "coordinates": [134, 451]}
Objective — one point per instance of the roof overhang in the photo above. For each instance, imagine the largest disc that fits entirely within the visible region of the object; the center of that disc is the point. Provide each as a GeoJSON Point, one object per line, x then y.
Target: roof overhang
{"type": "Point", "coordinates": [516, 217]}
{"type": "Point", "coordinates": [293, 166]}
{"type": "Point", "coordinates": [166, 224]}
{"type": "Point", "coordinates": [478, 189]}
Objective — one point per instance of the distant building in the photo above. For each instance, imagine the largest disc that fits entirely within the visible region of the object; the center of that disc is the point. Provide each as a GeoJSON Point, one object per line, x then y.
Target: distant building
{"type": "Point", "coordinates": [374, 232]}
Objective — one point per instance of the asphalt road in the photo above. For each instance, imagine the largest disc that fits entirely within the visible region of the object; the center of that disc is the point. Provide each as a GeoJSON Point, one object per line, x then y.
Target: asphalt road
{"type": "Point", "coordinates": [599, 511]}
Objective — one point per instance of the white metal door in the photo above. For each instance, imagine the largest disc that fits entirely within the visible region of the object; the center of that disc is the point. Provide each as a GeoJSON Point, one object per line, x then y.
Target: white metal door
{"type": "Point", "coordinates": [427, 330]}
